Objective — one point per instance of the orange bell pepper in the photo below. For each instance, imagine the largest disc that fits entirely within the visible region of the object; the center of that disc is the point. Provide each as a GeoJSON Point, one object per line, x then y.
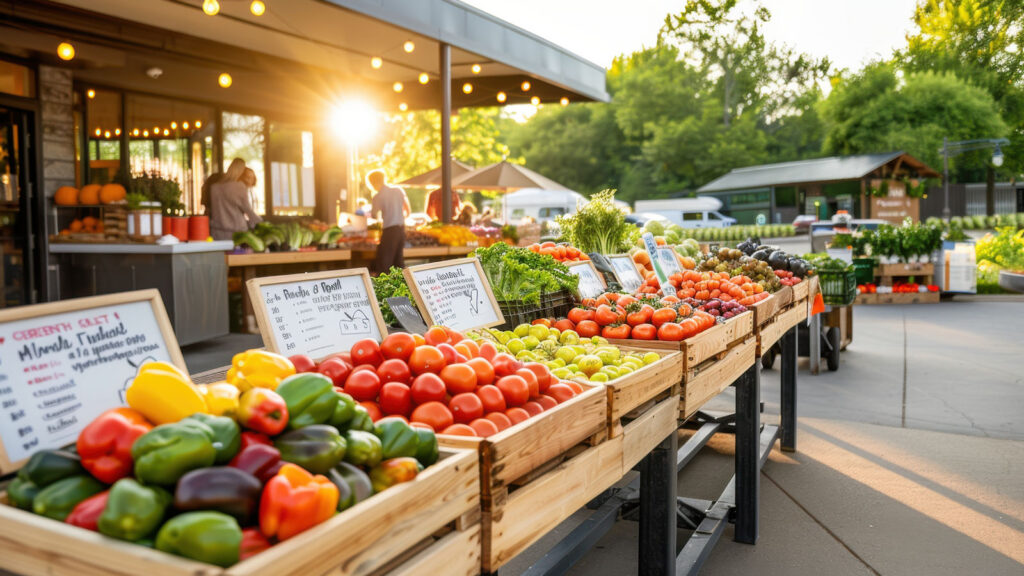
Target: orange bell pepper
{"type": "Point", "coordinates": [294, 501]}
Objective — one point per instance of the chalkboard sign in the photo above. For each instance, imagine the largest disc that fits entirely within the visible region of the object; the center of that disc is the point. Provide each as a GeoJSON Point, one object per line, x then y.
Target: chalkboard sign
{"type": "Point", "coordinates": [64, 363]}
{"type": "Point", "coordinates": [316, 314]}
{"type": "Point", "coordinates": [669, 262]}
{"type": "Point", "coordinates": [454, 293]}
{"type": "Point", "coordinates": [591, 281]}
{"type": "Point", "coordinates": [626, 272]}
{"type": "Point", "coordinates": [408, 316]}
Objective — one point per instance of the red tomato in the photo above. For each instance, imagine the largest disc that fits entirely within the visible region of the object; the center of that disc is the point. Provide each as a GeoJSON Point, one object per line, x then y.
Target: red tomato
{"type": "Point", "coordinates": [398, 345]}
{"type": "Point", "coordinates": [449, 352]}
{"type": "Point", "coordinates": [336, 369]}
{"type": "Point", "coordinates": [373, 409]}
{"type": "Point", "coordinates": [436, 335]}
{"type": "Point", "coordinates": [364, 367]}
{"type": "Point", "coordinates": [565, 324]}
{"type": "Point", "coordinates": [428, 387]}
{"type": "Point", "coordinates": [459, 378]}
{"type": "Point", "coordinates": [426, 359]}
{"type": "Point", "coordinates": [303, 363]}
{"type": "Point", "coordinates": [621, 331]}
{"type": "Point", "coordinates": [459, 430]}
{"type": "Point", "coordinates": [484, 427]}
{"type": "Point", "coordinates": [484, 371]}
{"type": "Point", "coordinates": [466, 407]}
{"type": "Point", "coordinates": [533, 408]}
{"type": "Point", "coordinates": [420, 425]}
{"type": "Point", "coordinates": [663, 315]}
{"type": "Point", "coordinates": [366, 351]}
{"type": "Point", "coordinates": [363, 385]}
{"type": "Point", "coordinates": [488, 351]}
{"type": "Point", "coordinates": [492, 398]}
{"type": "Point", "coordinates": [605, 315]}
{"type": "Point", "coordinates": [517, 415]}
{"type": "Point", "coordinates": [394, 370]}
{"type": "Point", "coordinates": [463, 349]}
{"type": "Point", "coordinates": [454, 336]}
{"type": "Point", "coordinates": [560, 392]}
{"type": "Point", "coordinates": [670, 331]}
{"type": "Point", "coordinates": [641, 316]}
{"type": "Point", "coordinates": [574, 386]}
{"type": "Point", "coordinates": [542, 321]}
{"type": "Point", "coordinates": [577, 315]}
{"type": "Point", "coordinates": [434, 414]}
{"type": "Point", "coordinates": [644, 332]}
{"type": "Point", "coordinates": [531, 380]}
{"type": "Point", "coordinates": [500, 420]}
{"type": "Point", "coordinates": [395, 399]}
{"type": "Point", "coordinates": [515, 390]}
{"type": "Point", "coordinates": [547, 402]}
{"type": "Point", "coordinates": [505, 364]}
{"type": "Point", "coordinates": [588, 328]}
{"type": "Point", "coordinates": [542, 373]}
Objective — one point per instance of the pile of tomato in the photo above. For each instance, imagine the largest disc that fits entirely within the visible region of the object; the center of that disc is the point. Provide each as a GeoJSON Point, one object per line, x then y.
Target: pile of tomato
{"type": "Point", "coordinates": [641, 318]}
{"type": "Point", "coordinates": [708, 285]}
{"type": "Point", "coordinates": [442, 380]}
{"type": "Point", "coordinates": [560, 252]}
{"type": "Point", "coordinates": [787, 278]}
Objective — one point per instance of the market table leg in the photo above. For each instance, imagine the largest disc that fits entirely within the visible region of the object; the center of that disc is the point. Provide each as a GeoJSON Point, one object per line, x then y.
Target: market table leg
{"type": "Point", "coordinates": [658, 509]}
{"type": "Point", "coordinates": [248, 314]}
{"type": "Point", "coordinates": [788, 396]}
{"type": "Point", "coordinates": [748, 443]}
{"type": "Point", "coordinates": [814, 343]}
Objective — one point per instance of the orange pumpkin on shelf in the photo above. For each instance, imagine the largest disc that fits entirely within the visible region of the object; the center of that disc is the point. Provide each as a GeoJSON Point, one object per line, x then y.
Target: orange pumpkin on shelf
{"type": "Point", "coordinates": [66, 196]}
{"type": "Point", "coordinates": [89, 194]}
{"type": "Point", "coordinates": [76, 225]}
{"type": "Point", "coordinates": [111, 193]}
{"type": "Point", "coordinates": [89, 224]}
{"type": "Point", "coordinates": [65, 232]}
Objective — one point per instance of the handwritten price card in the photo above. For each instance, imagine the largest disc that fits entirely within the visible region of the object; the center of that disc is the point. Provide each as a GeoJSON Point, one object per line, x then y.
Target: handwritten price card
{"type": "Point", "coordinates": [591, 282]}
{"type": "Point", "coordinates": [626, 272]}
{"type": "Point", "coordinates": [454, 293]}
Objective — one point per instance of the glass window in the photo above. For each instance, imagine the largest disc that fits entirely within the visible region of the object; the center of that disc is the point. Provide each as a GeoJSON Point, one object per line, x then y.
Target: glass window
{"type": "Point", "coordinates": [292, 185]}
{"type": "Point", "coordinates": [103, 136]}
{"type": "Point", "coordinates": [17, 80]}
{"type": "Point", "coordinates": [172, 140]}
{"type": "Point", "coordinates": [691, 216]}
{"type": "Point", "coordinates": [243, 138]}
{"type": "Point", "coordinates": [713, 216]}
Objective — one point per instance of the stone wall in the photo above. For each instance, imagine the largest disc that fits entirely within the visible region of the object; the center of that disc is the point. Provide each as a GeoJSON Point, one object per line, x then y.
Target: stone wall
{"type": "Point", "coordinates": [58, 145]}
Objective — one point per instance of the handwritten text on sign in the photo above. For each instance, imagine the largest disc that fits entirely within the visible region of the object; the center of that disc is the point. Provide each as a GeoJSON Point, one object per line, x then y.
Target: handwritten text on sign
{"type": "Point", "coordinates": [59, 372]}
{"type": "Point", "coordinates": [455, 296]}
{"type": "Point", "coordinates": [625, 271]}
{"type": "Point", "coordinates": [319, 317]}
{"type": "Point", "coordinates": [591, 285]}
{"type": "Point", "coordinates": [669, 262]}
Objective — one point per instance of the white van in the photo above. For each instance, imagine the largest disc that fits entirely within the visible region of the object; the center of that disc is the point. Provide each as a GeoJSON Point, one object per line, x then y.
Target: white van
{"type": "Point", "coordinates": [700, 212]}
{"type": "Point", "coordinates": [539, 204]}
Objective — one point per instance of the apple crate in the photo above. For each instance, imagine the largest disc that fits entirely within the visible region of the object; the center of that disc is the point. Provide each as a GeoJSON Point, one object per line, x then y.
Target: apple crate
{"type": "Point", "coordinates": [429, 525]}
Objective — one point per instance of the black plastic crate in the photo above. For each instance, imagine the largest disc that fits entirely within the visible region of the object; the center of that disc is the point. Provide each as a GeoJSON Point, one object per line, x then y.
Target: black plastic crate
{"type": "Point", "coordinates": [838, 287]}
{"type": "Point", "coordinates": [551, 305]}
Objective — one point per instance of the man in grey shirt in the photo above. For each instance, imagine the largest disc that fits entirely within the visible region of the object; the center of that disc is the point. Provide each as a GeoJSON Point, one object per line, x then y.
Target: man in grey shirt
{"type": "Point", "coordinates": [393, 207]}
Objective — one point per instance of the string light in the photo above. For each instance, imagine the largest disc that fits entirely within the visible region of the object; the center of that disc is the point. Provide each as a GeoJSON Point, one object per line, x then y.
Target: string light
{"type": "Point", "coordinates": [98, 132]}
{"type": "Point", "coordinates": [467, 88]}
{"type": "Point", "coordinates": [424, 77]}
{"type": "Point", "coordinates": [145, 133]}
{"type": "Point", "coordinates": [106, 134]}
{"type": "Point", "coordinates": [117, 132]}
{"type": "Point", "coordinates": [184, 125]}
{"type": "Point", "coordinates": [397, 87]}
{"type": "Point", "coordinates": [564, 101]}
{"type": "Point", "coordinates": [476, 68]}
{"type": "Point", "coordinates": [535, 101]}
{"type": "Point", "coordinates": [156, 129]}
{"type": "Point", "coordinates": [525, 86]}
{"type": "Point", "coordinates": [135, 132]}
{"type": "Point", "coordinates": [408, 46]}
{"type": "Point", "coordinates": [257, 8]}
{"type": "Point", "coordinates": [174, 125]}
{"type": "Point", "coordinates": [502, 97]}
{"type": "Point", "coordinates": [199, 124]}
{"type": "Point", "coordinates": [90, 93]}
{"type": "Point", "coordinates": [224, 80]}
{"type": "Point", "coordinates": [211, 7]}
{"type": "Point", "coordinates": [65, 51]}
{"type": "Point", "coordinates": [376, 62]}
{"type": "Point", "coordinates": [403, 106]}
{"type": "Point", "coordinates": [167, 132]}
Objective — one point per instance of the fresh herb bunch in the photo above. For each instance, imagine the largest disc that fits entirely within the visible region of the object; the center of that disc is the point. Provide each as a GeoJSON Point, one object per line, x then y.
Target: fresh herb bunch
{"type": "Point", "coordinates": [519, 275]}
{"type": "Point", "coordinates": [390, 284]}
{"type": "Point", "coordinates": [599, 226]}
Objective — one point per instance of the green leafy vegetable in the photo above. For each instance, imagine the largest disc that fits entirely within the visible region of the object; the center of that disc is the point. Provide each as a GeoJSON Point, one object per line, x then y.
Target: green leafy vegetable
{"type": "Point", "coordinates": [599, 226]}
{"type": "Point", "coordinates": [390, 284]}
{"type": "Point", "coordinates": [517, 274]}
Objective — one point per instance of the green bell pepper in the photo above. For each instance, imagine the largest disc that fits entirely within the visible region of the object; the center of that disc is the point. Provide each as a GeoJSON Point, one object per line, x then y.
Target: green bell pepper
{"type": "Point", "coordinates": [353, 484]}
{"type": "Point", "coordinates": [133, 511]}
{"type": "Point", "coordinates": [167, 452]}
{"type": "Point", "coordinates": [58, 499]}
{"type": "Point", "coordinates": [361, 420]}
{"type": "Point", "coordinates": [22, 492]}
{"type": "Point", "coordinates": [426, 450]}
{"type": "Point", "coordinates": [316, 448]}
{"type": "Point", "coordinates": [227, 437]}
{"type": "Point", "coordinates": [397, 438]}
{"type": "Point", "coordinates": [344, 411]}
{"type": "Point", "coordinates": [210, 537]}
{"type": "Point", "coordinates": [363, 448]}
{"type": "Point", "coordinates": [47, 466]}
{"type": "Point", "coordinates": [310, 397]}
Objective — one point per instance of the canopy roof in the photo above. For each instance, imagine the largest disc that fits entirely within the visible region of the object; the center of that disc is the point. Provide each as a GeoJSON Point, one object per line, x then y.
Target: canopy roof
{"type": "Point", "coordinates": [504, 176]}
{"type": "Point", "coordinates": [821, 170]}
{"type": "Point", "coordinates": [432, 178]}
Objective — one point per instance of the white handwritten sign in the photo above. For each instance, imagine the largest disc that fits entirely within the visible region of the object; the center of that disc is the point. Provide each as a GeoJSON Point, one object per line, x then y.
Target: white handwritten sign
{"type": "Point", "coordinates": [669, 262]}
{"type": "Point", "coordinates": [316, 314]}
{"type": "Point", "coordinates": [63, 364]}
{"type": "Point", "coordinates": [626, 273]}
{"type": "Point", "coordinates": [591, 282]}
{"type": "Point", "coordinates": [454, 293]}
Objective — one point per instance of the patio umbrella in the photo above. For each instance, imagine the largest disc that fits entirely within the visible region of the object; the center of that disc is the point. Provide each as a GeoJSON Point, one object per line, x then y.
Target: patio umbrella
{"type": "Point", "coordinates": [506, 177]}
{"type": "Point", "coordinates": [432, 178]}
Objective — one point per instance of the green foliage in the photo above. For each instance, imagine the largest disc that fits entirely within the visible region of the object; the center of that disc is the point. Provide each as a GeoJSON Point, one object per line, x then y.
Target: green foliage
{"type": "Point", "coordinates": [156, 188]}
{"type": "Point", "coordinates": [520, 275]}
{"type": "Point", "coordinates": [599, 226]}
{"type": "Point", "coordinates": [1004, 249]}
{"type": "Point", "coordinates": [390, 284]}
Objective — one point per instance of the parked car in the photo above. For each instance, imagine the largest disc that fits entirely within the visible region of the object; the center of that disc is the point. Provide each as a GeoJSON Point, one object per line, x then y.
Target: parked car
{"type": "Point", "coordinates": [641, 218]}
{"type": "Point", "coordinates": [802, 223]}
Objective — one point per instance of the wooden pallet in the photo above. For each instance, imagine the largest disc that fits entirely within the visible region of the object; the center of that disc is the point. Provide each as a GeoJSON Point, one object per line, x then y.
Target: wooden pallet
{"type": "Point", "coordinates": [894, 298]}
{"type": "Point", "coordinates": [704, 382]}
{"type": "Point", "coordinates": [866, 299]}
{"type": "Point", "coordinates": [923, 273]}
{"type": "Point", "coordinates": [430, 522]}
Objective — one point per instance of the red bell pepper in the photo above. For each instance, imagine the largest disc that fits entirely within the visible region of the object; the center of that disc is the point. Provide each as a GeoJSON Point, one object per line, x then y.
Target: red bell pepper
{"type": "Point", "coordinates": [86, 513]}
{"type": "Point", "coordinates": [263, 410]}
{"type": "Point", "coordinates": [260, 460]}
{"type": "Point", "coordinates": [105, 445]}
{"type": "Point", "coordinates": [294, 501]}
{"type": "Point", "coordinates": [250, 438]}
{"type": "Point", "coordinates": [253, 542]}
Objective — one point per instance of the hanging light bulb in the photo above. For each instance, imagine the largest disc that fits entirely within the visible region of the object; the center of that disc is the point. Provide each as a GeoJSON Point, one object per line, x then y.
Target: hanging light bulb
{"type": "Point", "coordinates": [211, 7]}
{"type": "Point", "coordinates": [106, 134]}
{"type": "Point", "coordinates": [502, 97]}
{"type": "Point", "coordinates": [403, 106]}
{"type": "Point", "coordinates": [199, 124]}
{"type": "Point", "coordinates": [65, 51]}
{"type": "Point", "coordinates": [174, 125]}
{"type": "Point", "coordinates": [167, 132]}
{"type": "Point", "coordinates": [408, 46]}
{"type": "Point", "coordinates": [397, 87]}
{"type": "Point", "coordinates": [564, 101]}
{"type": "Point", "coordinates": [476, 68]}
{"type": "Point", "coordinates": [467, 88]}
{"type": "Point", "coordinates": [376, 62]}
{"type": "Point", "coordinates": [135, 132]}
{"type": "Point", "coordinates": [98, 132]}
{"type": "Point", "coordinates": [145, 133]}
{"type": "Point", "coordinates": [184, 125]}
{"type": "Point", "coordinates": [90, 93]}
{"type": "Point", "coordinates": [156, 129]}
{"type": "Point", "coordinates": [257, 8]}
{"type": "Point", "coordinates": [535, 101]}
{"type": "Point", "coordinates": [424, 78]}
{"type": "Point", "coordinates": [224, 80]}
{"type": "Point", "coordinates": [117, 132]}
{"type": "Point", "coordinates": [525, 86]}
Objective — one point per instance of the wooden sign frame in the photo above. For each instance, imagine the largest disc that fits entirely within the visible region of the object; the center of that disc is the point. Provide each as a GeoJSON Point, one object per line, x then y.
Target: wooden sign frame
{"type": "Point", "coordinates": [425, 311]}
{"type": "Point", "coordinates": [639, 271]}
{"type": "Point", "coordinates": [151, 295]}
{"type": "Point", "coordinates": [593, 269]}
{"type": "Point", "coordinates": [259, 306]}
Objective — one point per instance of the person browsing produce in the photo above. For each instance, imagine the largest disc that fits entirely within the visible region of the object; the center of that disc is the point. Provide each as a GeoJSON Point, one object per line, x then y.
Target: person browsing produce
{"type": "Point", "coordinates": [230, 207]}
{"type": "Point", "coordinates": [393, 206]}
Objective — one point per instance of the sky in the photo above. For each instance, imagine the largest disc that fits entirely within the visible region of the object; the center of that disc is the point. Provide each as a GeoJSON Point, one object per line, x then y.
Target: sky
{"type": "Point", "coordinates": [848, 32]}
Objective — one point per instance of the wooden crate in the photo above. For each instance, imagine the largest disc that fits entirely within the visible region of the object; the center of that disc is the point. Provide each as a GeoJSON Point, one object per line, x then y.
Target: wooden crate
{"type": "Point", "coordinates": [700, 347]}
{"type": "Point", "coordinates": [766, 309]}
{"type": "Point", "coordinates": [894, 298]}
{"type": "Point", "coordinates": [770, 333]}
{"type": "Point", "coordinates": [648, 429]}
{"type": "Point", "coordinates": [630, 392]}
{"type": "Point", "coordinates": [866, 299]}
{"type": "Point", "coordinates": [429, 522]}
{"type": "Point", "coordinates": [706, 381]}
{"type": "Point", "coordinates": [801, 290]}
{"type": "Point", "coordinates": [922, 272]}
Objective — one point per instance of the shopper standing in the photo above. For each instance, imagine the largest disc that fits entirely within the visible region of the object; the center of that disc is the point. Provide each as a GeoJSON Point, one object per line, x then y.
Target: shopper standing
{"type": "Point", "coordinates": [393, 206]}
{"type": "Point", "coordinates": [230, 206]}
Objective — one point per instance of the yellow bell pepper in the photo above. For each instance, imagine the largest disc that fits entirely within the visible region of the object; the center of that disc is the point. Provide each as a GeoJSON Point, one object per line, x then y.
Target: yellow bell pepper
{"type": "Point", "coordinates": [259, 369]}
{"type": "Point", "coordinates": [164, 394]}
{"type": "Point", "coordinates": [221, 398]}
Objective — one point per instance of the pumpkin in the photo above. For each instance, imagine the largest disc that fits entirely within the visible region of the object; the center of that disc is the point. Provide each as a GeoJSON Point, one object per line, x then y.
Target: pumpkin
{"type": "Point", "coordinates": [66, 196]}
{"type": "Point", "coordinates": [76, 225]}
{"type": "Point", "coordinates": [89, 194]}
{"type": "Point", "coordinates": [89, 224]}
{"type": "Point", "coordinates": [111, 193]}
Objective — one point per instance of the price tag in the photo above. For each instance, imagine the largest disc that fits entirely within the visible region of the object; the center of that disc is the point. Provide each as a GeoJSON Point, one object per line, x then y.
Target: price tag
{"type": "Point", "coordinates": [626, 272]}
{"type": "Point", "coordinates": [591, 281]}
{"type": "Point", "coordinates": [454, 293]}
{"type": "Point", "coordinates": [64, 363]}
{"type": "Point", "coordinates": [316, 314]}
{"type": "Point", "coordinates": [652, 253]}
{"type": "Point", "coordinates": [408, 316]}
{"type": "Point", "coordinates": [669, 261]}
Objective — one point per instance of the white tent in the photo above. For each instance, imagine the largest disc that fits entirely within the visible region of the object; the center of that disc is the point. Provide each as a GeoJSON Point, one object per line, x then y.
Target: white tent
{"type": "Point", "coordinates": [540, 204]}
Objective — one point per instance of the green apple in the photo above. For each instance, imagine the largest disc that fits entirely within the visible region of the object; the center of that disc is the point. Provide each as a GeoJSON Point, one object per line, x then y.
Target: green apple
{"type": "Point", "coordinates": [522, 330]}
{"type": "Point", "coordinates": [572, 368]}
{"type": "Point", "coordinates": [515, 345]}
{"type": "Point", "coordinates": [526, 356]}
{"type": "Point", "coordinates": [562, 373]}
{"type": "Point", "coordinates": [651, 358]}
{"type": "Point", "coordinates": [608, 354]}
{"type": "Point", "coordinates": [504, 337]}
{"type": "Point", "coordinates": [531, 342]}
{"type": "Point", "coordinates": [626, 369]}
{"type": "Point", "coordinates": [599, 377]}
{"type": "Point", "coordinates": [569, 337]}
{"type": "Point", "coordinates": [590, 364]}
{"type": "Point", "coordinates": [539, 331]}
{"type": "Point", "coordinates": [566, 354]}
{"type": "Point", "coordinates": [554, 333]}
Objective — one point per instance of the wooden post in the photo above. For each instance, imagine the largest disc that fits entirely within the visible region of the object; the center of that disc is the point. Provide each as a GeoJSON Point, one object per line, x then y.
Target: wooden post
{"type": "Point", "coordinates": [446, 133]}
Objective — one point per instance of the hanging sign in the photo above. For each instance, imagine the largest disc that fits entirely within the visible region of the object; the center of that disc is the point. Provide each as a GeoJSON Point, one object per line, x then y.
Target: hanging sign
{"type": "Point", "coordinates": [454, 293]}
{"type": "Point", "coordinates": [316, 314]}
{"type": "Point", "coordinates": [64, 363]}
{"type": "Point", "coordinates": [591, 281]}
{"type": "Point", "coordinates": [626, 272]}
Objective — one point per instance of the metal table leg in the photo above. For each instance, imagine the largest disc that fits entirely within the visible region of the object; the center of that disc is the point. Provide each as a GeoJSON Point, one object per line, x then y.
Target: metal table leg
{"type": "Point", "coordinates": [658, 509]}
{"type": "Point", "coordinates": [748, 476]}
{"type": "Point", "coordinates": [814, 343]}
{"type": "Point", "coordinates": [788, 396]}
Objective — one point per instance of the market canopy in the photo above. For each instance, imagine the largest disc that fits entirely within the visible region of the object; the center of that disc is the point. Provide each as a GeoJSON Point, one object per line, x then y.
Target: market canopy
{"type": "Point", "coordinates": [505, 176]}
{"type": "Point", "coordinates": [432, 178]}
{"type": "Point", "coordinates": [819, 171]}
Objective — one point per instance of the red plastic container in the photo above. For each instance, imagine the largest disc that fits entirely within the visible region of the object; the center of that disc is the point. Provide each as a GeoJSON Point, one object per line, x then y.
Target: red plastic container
{"type": "Point", "coordinates": [176, 226]}
{"type": "Point", "coordinates": [198, 228]}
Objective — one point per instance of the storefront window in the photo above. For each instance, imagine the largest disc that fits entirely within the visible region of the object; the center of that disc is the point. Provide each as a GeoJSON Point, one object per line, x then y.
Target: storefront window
{"type": "Point", "coordinates": [103, 136]}
{"type": "Point", "coordinates": [17, 80]}
{"type": "Point", "coordinates": [243, 138]}
{"type": "Point", "coordinates": [293, 191]}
